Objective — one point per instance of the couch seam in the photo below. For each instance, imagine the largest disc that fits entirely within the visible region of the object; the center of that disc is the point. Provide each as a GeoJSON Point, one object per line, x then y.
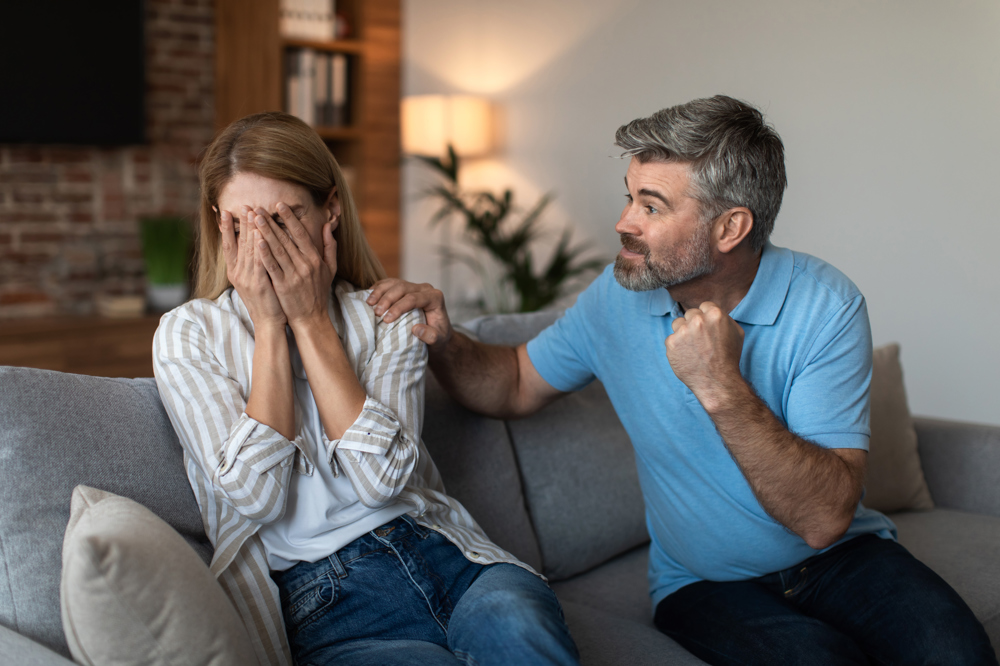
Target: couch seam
{"type": "Point", "coordinates": [10, 587]}
{"type": "Point", "coordinates": [524, 495]}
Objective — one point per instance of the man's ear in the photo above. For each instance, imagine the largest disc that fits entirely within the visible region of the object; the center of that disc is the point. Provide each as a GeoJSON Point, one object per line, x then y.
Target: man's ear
{"type": "Point", "coordinates": [732, 227]}
{"type": "Point", "coordinates": [332, 206]}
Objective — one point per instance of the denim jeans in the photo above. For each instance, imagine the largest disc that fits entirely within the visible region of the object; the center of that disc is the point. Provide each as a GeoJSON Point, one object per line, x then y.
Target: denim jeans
{"type": "Point", "coordinates": [867, 601]}
{"type": "Point", "coordinates": [404, 594]}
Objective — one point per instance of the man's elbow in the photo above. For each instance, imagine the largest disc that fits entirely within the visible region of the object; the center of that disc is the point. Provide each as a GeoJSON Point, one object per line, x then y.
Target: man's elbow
{"type": "Point", "coordinates": [829, 531]}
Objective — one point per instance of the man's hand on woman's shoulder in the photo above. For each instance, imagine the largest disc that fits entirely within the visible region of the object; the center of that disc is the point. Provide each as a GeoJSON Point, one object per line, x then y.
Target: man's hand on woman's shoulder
{"type": "Point", "coordinates": [392, 298]}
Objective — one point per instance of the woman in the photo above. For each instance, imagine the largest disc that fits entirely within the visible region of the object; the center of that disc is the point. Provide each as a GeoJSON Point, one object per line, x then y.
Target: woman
{"type": "Point", "coordinates": [332, 533]}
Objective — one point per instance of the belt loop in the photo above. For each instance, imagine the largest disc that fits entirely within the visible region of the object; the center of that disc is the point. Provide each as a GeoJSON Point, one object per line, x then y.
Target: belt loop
{"type": "Point", "coordinates": [338, 566]}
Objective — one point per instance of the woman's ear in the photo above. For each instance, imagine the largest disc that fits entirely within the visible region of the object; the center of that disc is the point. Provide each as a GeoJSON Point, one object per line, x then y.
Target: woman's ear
{"type": "Point", "coordinates": [332, 207]}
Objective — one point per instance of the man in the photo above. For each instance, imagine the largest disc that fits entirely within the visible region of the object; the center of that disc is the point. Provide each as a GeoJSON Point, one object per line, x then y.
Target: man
{"type": "Point", "coordinates": [741, 372]}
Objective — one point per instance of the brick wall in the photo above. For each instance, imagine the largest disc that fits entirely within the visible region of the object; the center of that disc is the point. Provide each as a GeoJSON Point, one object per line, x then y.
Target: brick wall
{"type": "Point", "coordinates": [69, 215]}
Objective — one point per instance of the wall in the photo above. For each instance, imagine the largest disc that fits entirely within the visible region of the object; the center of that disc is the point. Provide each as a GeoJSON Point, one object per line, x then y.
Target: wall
{"type": "Point", "coordinates": [68, 214]}
{"type": "Point", "coordinates": [888, 110]}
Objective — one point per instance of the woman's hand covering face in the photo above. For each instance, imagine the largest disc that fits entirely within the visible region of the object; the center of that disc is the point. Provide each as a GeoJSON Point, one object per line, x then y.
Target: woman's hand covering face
{"type": "Point", "coordinates": [290, 236]}
{"type": "Point", "coordinates": [301, 273]}
{"type": "Point", "coordinates": [246, 271]}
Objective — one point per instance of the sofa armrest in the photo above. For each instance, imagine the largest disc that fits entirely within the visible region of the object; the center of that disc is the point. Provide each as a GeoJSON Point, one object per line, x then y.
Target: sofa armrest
{"type": "Point", "coordinates": [961, 462]}
{"type": "Point", "coordinates": [18, 649]}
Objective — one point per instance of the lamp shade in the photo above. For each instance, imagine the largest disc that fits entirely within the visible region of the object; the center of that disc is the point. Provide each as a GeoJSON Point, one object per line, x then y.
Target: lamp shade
{"type": "Point", "coordinates": [431, 122]}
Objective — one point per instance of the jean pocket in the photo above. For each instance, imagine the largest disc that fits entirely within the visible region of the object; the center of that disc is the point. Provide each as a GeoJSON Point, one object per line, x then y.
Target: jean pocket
{"type": "Point", "coordinates": [308, 603]}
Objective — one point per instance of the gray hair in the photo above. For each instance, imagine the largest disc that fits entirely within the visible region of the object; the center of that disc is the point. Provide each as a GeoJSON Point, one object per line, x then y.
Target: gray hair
{"type": "Point", "coordinates": [736, 158]}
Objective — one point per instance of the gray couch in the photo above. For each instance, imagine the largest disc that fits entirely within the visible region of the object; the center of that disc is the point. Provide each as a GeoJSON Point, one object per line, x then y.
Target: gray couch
{"type": "Point", "coordinates": [559, 490]}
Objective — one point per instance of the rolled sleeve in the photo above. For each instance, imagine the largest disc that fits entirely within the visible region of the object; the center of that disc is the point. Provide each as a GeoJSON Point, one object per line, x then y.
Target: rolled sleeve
{"type": "Point", "coordinates": [374, 430]}
{"type": "Point", "coordinates": [247, 463]}
{"type": "Point", "coordinates": [379, 451]}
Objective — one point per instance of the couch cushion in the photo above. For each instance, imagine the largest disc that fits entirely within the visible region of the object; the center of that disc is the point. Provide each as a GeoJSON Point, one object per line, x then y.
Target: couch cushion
{"type": "Point", "coordinates": [580, 480]}
{"type": "Point", "coordinates": [134, 593]}
{"type": "Point", "coordinates": [510, 329]}
{"type": "Point", "coordinates": [577, 466]}
{"type": "Point", "coordinates": [476, 461]}
{"type": "Point", "coordinates": [609, 640]}
{"type": "Point", "coordinates": [619, 587]}
{"type": "Point", "coordinates": [58, 431]}
{"type": "Point", "coordinates": [16, 649]}
{"type": "Point", "coordinates": [895, 477]}
{"type": "Point", "coordinates": [962, 548]}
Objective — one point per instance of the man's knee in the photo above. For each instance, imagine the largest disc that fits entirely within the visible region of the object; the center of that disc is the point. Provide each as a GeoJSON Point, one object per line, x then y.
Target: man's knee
{"type": "Point", "coordinates": [953, 640]}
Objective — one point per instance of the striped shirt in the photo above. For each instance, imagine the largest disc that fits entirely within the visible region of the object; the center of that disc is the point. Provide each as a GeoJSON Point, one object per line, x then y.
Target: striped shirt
{"type": "Point", "coordinates": [240, 469]}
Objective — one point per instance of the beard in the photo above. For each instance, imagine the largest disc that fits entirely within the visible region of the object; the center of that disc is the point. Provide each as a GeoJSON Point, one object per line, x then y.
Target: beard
{"type": "Point", "coordinates": [689, 260]}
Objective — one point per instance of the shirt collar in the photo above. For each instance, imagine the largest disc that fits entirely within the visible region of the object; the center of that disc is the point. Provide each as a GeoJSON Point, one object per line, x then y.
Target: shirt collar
{"type": "Point", "coordinates": [763, 301]}
{"type": "Point", "coordinates": [761, 305]}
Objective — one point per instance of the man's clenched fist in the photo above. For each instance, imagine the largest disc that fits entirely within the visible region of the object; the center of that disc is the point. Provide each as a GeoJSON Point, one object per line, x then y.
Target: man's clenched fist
{"type": "Point", "coordinates": [704, 352]}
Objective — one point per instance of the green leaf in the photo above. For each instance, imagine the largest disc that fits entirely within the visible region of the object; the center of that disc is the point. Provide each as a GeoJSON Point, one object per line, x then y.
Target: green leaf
{"type": "Point", "coordinates": [489, 226]}
{"type": "Point", "coordinates": [166, 247]}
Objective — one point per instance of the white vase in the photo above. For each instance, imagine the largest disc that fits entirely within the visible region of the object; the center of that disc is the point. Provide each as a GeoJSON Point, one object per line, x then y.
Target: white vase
{"type": "Point", "coordinates": [163, 297]}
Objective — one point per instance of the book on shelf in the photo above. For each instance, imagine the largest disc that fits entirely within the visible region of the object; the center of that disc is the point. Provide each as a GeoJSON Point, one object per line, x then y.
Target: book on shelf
{"type": "Point", "coordinates": [317, 87]}
{"type": "Point", "coordinates": [308, 19]}
{"type": "Point", "coordinates": [338, 107]}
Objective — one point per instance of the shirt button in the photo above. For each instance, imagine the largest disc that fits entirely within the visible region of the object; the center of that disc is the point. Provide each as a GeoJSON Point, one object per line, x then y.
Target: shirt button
{"type": "Point", "coordinates": [474, 555]}
{"type": "Point", "coordinates": [435, 526]}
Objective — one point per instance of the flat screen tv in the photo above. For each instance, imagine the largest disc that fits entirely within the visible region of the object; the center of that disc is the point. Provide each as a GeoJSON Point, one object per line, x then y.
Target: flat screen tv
{"type": "Point", "coordinates": [73, 72]}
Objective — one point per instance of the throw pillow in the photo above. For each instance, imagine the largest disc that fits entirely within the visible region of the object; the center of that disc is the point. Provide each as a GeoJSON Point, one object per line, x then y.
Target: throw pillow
{"type": "Point", "coordinates": [133, 592]}
{"type": "Point", "coordinates": [895, 477]}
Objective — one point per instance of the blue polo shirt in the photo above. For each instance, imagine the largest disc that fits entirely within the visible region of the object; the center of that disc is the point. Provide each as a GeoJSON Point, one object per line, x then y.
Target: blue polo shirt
{"type": "Point", "coordinates": [807, 352]}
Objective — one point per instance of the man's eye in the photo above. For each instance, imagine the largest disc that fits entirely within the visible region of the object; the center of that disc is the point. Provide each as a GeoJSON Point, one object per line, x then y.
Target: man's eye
{"type": "Point", "coordinates": [628, 198]}
{"type": "Point", "coordinates": [651, 210]}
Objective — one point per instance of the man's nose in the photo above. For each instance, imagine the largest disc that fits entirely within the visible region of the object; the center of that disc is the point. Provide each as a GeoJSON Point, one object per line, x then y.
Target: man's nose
{"type": "Point", "coordinates": [626, 225]}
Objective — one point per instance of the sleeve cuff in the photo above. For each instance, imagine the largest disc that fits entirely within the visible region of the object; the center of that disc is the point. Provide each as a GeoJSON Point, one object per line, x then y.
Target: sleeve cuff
{"type": "Point", "coordinates": [259, 446]}
{"type": "Point", "coordinates": [373, 432]}
{"type": "Point", "coordinates": [839, 440]}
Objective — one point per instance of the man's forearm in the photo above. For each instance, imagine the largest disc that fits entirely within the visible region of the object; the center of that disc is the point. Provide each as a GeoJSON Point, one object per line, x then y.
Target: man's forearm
{"type": "Point", "coordinates": [809, 489]}
{"type": "Point", "coordinates": [481, 377]}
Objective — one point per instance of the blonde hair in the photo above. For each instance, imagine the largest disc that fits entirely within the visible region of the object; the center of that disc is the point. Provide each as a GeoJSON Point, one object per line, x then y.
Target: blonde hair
{"type": "Point", "coordinates": [279, 146]}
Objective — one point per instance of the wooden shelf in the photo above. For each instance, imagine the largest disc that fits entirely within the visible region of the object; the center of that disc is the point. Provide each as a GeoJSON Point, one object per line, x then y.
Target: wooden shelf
{"type": "Point", "coordinates": [338, 46]}
{"type": "Point", "coordinates": [349, 133]}
{"type": "Point", "coordinates": [81, 345]}
{"type": "Point", "coordinates": [250, 78]}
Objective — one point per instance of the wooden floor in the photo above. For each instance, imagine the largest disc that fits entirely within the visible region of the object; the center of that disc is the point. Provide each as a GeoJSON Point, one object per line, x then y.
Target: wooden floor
{"type": "Point", "coordinates": [81, 345]}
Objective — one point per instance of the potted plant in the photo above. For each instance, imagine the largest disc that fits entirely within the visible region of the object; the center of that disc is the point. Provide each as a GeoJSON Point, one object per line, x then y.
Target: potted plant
{"type": "Point", "coordinates": [166, 246]}
{"type": "Point", "coordinates": [522, 285]}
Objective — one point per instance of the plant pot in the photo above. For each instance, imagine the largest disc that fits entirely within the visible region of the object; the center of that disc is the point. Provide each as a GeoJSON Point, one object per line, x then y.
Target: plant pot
{"type": "Point", "coordinates": [163, 297]}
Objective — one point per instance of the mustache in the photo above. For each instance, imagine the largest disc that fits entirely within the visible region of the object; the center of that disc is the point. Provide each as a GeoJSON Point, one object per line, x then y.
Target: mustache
{"type": "Point", "coordinates": [633, 244]}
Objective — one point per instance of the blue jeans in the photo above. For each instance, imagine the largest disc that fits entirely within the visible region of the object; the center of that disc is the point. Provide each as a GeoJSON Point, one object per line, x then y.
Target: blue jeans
{"type": "Point", "coordinates": [867, 601]}
{"type": "Point", "coordinates": [404, 594]}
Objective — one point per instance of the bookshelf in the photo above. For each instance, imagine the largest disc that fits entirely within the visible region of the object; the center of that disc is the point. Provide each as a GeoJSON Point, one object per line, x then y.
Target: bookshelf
{"type": "Point", "coordinates": [250, 70]}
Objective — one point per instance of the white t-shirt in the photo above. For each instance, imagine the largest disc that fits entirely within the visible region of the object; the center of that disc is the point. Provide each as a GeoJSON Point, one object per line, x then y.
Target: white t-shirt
{"type": "Point", "coordinates": [322, 512]}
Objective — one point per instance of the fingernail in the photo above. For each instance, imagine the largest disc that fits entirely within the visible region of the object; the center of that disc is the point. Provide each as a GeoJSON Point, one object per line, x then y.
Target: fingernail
{"type": "Point", "coordinates": [259, 219]}
{"type": "Point", "coordinates": [378, 310]}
